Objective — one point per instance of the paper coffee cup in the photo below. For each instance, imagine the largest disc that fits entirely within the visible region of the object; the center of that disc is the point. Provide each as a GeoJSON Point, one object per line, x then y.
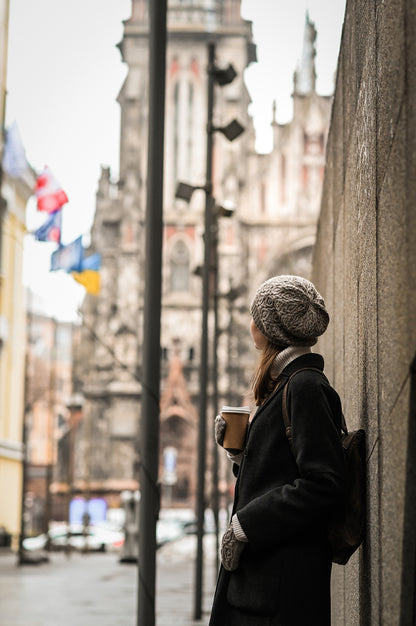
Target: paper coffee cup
{"type": "Point", "coordinates": [236, 418]}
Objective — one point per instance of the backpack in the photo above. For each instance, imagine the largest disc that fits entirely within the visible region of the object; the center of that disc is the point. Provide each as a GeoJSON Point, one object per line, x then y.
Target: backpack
{"type": "Point", "coordinates": [347, 524]}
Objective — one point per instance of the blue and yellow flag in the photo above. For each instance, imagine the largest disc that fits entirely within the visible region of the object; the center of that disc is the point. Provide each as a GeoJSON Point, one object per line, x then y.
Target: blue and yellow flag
{"type": "Point", "coordinates": [92, 262]}
{"type": "Point", "coordinates": [90, 279]}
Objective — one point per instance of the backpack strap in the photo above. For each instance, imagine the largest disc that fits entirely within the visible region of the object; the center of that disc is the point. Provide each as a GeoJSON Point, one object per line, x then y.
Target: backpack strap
{"type": "Point", "coordinates": [286, 417]}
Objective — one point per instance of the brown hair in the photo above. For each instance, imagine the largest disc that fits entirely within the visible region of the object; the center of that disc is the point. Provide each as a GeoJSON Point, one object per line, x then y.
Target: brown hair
{"type": "Point", "coordinates": [263, 382]}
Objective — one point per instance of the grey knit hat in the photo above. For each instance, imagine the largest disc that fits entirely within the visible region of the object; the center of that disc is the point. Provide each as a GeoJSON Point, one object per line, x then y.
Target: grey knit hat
{"type": "Point", "coordinates": [289, 311]}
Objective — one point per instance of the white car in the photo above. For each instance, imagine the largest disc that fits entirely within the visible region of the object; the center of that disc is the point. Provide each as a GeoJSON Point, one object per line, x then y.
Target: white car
{"type": "Point", "coordinates": [168, 530]}
{"type": "Point", "coordinates": [98, 538]}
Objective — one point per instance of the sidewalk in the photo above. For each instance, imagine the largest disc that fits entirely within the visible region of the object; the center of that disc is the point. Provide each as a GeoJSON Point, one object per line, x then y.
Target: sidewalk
{"type": "Point", "coordinates": [97, 590]}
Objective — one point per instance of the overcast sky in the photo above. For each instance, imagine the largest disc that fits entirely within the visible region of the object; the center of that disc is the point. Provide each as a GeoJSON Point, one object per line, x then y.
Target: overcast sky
{"type": "Point", "coordinates": [64, 74]}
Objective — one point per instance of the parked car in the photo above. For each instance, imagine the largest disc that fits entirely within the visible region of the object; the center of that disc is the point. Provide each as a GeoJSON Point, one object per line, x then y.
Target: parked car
{"type": "Point", "coordinates": [98, 538]}
{"type": "Point", "coordinates": [168, 530]}
{"type": "Point", "coordinates": [174, 524]}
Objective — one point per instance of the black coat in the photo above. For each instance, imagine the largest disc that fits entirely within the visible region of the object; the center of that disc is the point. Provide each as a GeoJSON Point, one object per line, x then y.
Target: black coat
{"type": "Point", "coordinates": [283, 498]}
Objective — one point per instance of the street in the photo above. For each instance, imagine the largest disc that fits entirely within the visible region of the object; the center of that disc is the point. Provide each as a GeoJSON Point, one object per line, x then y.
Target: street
{"type": "Point", "coordinates": [97, 590]}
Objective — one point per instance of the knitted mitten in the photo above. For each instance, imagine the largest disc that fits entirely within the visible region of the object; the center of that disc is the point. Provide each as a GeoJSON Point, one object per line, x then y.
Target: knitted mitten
{"type": "Point", "coordinates": [220, 428]}
{"type": "Point", "coordinates": [231, 549]}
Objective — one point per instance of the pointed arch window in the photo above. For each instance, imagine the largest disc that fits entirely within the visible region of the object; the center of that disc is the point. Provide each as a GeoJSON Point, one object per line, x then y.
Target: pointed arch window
{"type": "Point", "coordinates": [176, 131]}
{"type": "Point", "coordinates": [179, 267]}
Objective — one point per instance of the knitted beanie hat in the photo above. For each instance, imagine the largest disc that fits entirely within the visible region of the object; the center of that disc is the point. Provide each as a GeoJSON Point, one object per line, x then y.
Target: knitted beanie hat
{"type": "Point", "coordinates": [289, 311]}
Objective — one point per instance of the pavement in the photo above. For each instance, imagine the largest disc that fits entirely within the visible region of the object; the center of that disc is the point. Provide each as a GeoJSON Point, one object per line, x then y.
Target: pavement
{"type": "Point", "coordinates": [96, 589]}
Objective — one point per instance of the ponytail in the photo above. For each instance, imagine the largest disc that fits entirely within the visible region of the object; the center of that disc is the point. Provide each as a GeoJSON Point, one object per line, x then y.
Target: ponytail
{"type": "Point", "coordinates": [263, 382]}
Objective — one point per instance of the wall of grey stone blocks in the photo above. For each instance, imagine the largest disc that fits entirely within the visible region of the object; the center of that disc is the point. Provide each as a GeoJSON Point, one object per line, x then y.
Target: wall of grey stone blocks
{"type": "Point", "coordinates": [365, 267]}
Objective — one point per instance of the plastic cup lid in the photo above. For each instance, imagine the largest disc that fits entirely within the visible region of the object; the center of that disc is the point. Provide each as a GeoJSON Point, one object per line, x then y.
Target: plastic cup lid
{"type": "Point", "coordinates": [235, 409]}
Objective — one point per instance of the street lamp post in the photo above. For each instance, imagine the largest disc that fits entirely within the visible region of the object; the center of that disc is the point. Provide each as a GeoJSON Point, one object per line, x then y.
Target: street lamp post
{"type": "Point", "coordinates": [203, 370]}
{"type": "Point", "coordinates": [215, 459]}
{"type": "Point", "coordinates": [27, 406]}
{"type": "Point", "coordinates": [184, 191]}
{"type": "Point", "coordinates": [231, 131]}
{"type": "Point", "coordinates": [149, 423]}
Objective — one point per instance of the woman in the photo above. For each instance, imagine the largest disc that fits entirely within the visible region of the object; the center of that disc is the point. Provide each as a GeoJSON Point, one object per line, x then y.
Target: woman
{"type": "Point", "coordinates": [276, 561]}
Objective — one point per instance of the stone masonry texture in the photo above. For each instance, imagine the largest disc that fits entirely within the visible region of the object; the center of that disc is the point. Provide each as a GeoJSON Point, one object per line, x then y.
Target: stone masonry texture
{"type": "Point", "coordinates": [365, 267]}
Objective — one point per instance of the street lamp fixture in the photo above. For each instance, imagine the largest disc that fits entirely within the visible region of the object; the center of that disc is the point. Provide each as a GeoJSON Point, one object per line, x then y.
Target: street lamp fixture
{"type": "Point", "coordinates": [226, 209]}
{"type": "Point", "coordinates": [224, 76]}
{"type": "Point", "coordinates": [184, 191]}
{"type": "Point", "coordinates": [231, 131]}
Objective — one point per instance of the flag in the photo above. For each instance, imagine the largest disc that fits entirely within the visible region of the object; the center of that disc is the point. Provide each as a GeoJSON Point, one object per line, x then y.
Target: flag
{"type": "Point", "coordinates": [49, 192]}
{"type": "Point", "coordinates": [68, 258]}
{"type": "Point", "coordinates": [14, 157]}
{"type": "Point", "coordinates": [92, 262]}
{"type": "Point", "coordinates": [90, 279]}
{"type": "Point", "coordinates": [50, 229]}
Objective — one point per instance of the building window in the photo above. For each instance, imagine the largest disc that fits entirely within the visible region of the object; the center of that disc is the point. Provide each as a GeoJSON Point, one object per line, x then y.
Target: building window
{"type": "Point", "coordinates": [262, 198]}
{"type": "Point", "coordinates": [179, 267]}
{"type": "Point", "coordinates": [283, 179]}
{"type": "Point", "coordinates": [181, 489]}
{"type": "Point", "coordinates": [110, 233]}
{"type": "Point", "coordinates": [190, 126]}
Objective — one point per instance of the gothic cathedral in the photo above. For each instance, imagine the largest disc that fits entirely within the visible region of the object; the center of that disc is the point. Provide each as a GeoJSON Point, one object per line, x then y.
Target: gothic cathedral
{"type": "Point", "coordinates": [275, 200]}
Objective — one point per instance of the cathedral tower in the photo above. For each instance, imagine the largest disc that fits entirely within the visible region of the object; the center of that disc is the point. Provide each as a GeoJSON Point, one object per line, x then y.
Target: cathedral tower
{"type": "Point", "coordinates": [110, 363]}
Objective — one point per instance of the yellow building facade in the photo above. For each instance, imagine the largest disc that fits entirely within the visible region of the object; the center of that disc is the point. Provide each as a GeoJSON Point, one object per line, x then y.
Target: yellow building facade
{"type": "Point", "coordinates": [12, 350]}
{"type": "Point", "coordinates": [15, 194]}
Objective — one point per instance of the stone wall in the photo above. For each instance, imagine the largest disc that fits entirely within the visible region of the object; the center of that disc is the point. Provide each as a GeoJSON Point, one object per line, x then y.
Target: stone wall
{"type": "Point", "coordinates": [365, 267]}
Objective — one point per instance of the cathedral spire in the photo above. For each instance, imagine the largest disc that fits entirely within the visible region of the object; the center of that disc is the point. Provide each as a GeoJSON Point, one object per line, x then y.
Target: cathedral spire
{"type": "Point", "coordinates": [305, 74]}
{"type": "Point", "coordinates": [139, 11]}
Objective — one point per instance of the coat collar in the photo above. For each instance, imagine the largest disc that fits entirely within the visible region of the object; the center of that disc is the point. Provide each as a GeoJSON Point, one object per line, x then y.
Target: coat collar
{"type": "Point", "coordinates": [306, 360]}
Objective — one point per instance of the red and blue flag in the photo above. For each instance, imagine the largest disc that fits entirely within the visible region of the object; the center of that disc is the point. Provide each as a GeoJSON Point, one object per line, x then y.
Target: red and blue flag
{"type": "Point", "coordinates": [49, 193]}
{"type": "Point", "coordinates": [50, 229]}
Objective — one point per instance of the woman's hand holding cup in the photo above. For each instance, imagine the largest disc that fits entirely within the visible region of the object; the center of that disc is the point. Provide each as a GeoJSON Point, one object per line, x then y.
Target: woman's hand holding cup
{"type": "Point", "coordinates": [220, 427]}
